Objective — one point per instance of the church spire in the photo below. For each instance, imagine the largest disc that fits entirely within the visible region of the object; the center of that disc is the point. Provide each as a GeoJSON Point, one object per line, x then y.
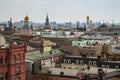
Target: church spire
{"type": "Point", "coordinates": [47, 25]}
{"type": "Point", "coordinates": [10, 24]}
{"type": "Point", "coordinates": [47, 20]}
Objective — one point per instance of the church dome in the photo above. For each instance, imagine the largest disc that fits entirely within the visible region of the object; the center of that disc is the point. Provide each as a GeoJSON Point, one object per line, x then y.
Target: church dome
{"type": "Point", "coordinates": [2, 40]}
{"type": "Point", "coordinates": [26, 18]}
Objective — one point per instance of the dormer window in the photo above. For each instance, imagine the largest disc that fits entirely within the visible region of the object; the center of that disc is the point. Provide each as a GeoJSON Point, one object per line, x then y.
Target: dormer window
{"type": "Point", "coordinates": [69, 61]}
{"type": "Point", "coordinates": [77, 62]}
{"type": "Point", "coordinates": [65, 61]}
{"type": "Point", "coordinates": [90, 62]}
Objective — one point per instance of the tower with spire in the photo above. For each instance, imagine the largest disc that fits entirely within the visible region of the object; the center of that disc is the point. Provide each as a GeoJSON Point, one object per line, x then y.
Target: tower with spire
{"type": "Point", "coordinates": [9, 26]}
{"type": "Point", "coordinates": [47, 25]}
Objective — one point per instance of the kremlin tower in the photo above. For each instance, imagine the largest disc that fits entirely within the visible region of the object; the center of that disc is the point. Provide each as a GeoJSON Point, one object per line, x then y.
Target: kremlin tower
{"type": "Point", "coordinates": [47, 25]}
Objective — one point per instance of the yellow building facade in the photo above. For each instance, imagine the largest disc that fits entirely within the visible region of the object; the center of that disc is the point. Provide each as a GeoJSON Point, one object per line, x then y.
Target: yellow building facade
{"type": "Point", "coordinates": [47, 45]}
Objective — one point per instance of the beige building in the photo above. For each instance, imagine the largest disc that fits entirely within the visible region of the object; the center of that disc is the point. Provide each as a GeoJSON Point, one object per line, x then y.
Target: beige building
{"type": "Point", "coordinates": [89, 50]}
{"type": "Point", "coordinates": [43, 44]}
{"type": "Point", "coordinates": [47, 45]}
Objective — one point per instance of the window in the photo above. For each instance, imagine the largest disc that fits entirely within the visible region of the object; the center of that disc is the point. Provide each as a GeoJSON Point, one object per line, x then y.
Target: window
{"type": "Point", "coordinates": [18, 78]}
{"type": "Point", "coordinates": [78, 43]}
{"type": "Point", "coordinates": [69, 67]}
{"type": "Point", "coordinates": [81, 62]}
{"type": "Point", "coordinates": [1, 60]}
{"type": "Point", "coordinates": [77, 62]}
{"type": "Point", "coordinates": [18, 70]}
{"type": "Point", "coordinates": [90, 62]}
{"type": "Point", "coordinates": [65, 61]}
{"type": "Point", "coordinates": [91, 54]}
{"type": "Point", "coordinates": [5, 59]}
{"type": "Point", "coordinates": [6, 75]}
{"type": "Point", "coordinates": [94, 63]}
{"type": "Point", "coordinates": [18, 58]}
{"type": "Point", "coordinates": [103, 66]}
{"type": "Point", "coordinates": [1, 76]}
{"type": "Point", "coordinates": [69, 61]}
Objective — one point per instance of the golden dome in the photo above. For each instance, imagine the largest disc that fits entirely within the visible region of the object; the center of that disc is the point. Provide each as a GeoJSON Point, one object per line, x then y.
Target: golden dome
{"type": "Point", "coordinates": [26, 18]}
{"type": "Point", "coordinates": [87, 17]}
{"type": "Point", "coordinates": [90, 21]}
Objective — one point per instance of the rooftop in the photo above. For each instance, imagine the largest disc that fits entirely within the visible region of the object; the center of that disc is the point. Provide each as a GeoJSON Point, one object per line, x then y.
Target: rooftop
{"type": "Point", "coordinates": [37, 56]}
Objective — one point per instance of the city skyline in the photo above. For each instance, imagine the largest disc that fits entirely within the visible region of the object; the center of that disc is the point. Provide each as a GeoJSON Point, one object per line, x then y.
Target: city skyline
{"type": "Point", "coordinates": [60, 10]}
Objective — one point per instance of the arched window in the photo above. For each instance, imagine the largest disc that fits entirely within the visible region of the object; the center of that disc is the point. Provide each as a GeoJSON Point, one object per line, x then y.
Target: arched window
{"type": "Point", "coordinates": [103, 66]}
{"type": "Point", "coordinates": [90, 63]}
{"type": "Point", "coordinates": [18, 58]}
{"type": "Point", "coordinates": [69, 61]}
{"type": "Point", "coordinates": [94, 63]}
{"type": "Point", "coordinates": [77, 62]}
{"type": "Point", "coordinates": [18, 69]}
{"type": "Point", "coordinates": [81, 62]}
{"type": "Point", "coordinates": [65, 61]}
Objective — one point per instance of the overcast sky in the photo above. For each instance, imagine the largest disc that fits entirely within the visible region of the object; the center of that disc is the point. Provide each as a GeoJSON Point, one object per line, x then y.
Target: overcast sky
{"type": "Point", "coordinates": [60, 10]}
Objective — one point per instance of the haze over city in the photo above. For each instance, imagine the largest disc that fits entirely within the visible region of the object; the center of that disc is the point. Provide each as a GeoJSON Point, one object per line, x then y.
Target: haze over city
{"type": "Point", "coordinates": [60, 10]}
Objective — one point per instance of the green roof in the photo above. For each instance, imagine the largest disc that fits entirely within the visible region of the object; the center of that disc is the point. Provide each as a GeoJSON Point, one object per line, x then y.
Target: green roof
{"type": "Point", "coordinates": [26, 26]}
{"type": "Point", "coordinates": [115, 33]}
{"type": "Point", "coordinates": [38, 55]}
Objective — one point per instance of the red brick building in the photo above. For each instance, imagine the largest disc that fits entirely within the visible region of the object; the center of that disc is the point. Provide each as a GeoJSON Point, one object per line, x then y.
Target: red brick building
{"type": "Point", "coordinates": [12, 62]}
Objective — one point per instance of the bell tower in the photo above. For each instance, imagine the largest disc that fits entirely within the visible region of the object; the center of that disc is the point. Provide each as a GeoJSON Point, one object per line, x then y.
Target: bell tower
{"type": "Point", "coordinates": [88, 20]}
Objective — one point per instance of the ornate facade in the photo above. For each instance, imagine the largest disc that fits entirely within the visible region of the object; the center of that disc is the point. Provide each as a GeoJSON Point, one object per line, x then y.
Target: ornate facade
{"type": "Point", "coordinates": [12, 62]}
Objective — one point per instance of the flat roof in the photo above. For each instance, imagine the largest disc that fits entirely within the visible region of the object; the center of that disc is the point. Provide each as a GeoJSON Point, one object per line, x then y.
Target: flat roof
{"type": "Point", "coordinates": [74, 72]}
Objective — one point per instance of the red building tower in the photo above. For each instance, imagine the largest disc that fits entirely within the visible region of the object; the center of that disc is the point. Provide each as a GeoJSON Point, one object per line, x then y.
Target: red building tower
{"type": "Point", "coordinates": [12, 62]}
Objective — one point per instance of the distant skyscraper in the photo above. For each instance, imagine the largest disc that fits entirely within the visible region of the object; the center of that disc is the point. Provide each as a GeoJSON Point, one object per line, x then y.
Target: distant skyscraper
{"type": "Point", "coordinates": [78, 24]}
